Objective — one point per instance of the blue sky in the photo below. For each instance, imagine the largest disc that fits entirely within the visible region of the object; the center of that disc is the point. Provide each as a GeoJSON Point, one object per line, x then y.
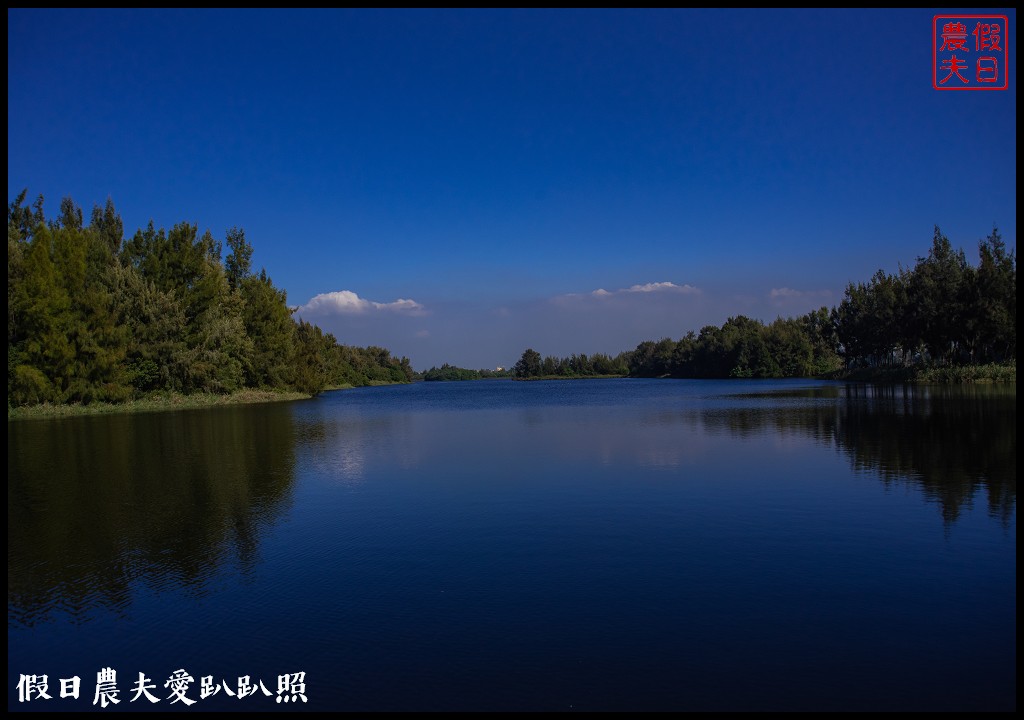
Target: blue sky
{"type": "Point", "coordinates": [455, 185]}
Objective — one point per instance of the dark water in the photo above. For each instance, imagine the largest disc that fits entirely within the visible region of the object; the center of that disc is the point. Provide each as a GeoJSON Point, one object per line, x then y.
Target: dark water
{"type": "Point", "coordinates": [588, 545]}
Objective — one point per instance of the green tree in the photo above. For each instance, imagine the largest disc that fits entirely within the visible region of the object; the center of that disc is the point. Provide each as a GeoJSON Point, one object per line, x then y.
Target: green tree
{"type": "Point", "coordinates": [70, 215]}
{"type": "Point", "coordinates": [821, 332]}
{"type": "Point", "coordinates": [239, 261]}
{"type": "Point", "coordinates": [934, 293]}
{"type": "Point", "coordinates": [219, 350]}
{"type": "Point", "coordinates": [789, 348]}
{"type": "Point", "coordinates": [23, 221]}
{"type": "Point", "coordinates": [312, 372]}
{"type": "Point", "coordinates": [269, 323]}
{"type": "Point", "coordinates": [997, 298]}
{"type": "Point", "coordinates": [156, 351]}
{"type": "Point", "coordinates": [94, 316]}
{"type": "Point", "coordinates": [529, 364]}
{"type": "Point", "coordinates": [44, 325]}
{"type": "Point", "coordinates": [107, 222]}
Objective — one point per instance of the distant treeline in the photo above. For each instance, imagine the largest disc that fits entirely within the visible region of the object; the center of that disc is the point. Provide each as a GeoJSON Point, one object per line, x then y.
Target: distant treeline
{"type": "Point", "coordinates": [943, 312]}
{"type": "Point", "coordinates": [92, 316]}
{"type": "Point", "coordinates": [532, 365]}
{"type": "Point", "coordinates": [739, 348]}
{"type": "Point", "coordinates": [450, 372]}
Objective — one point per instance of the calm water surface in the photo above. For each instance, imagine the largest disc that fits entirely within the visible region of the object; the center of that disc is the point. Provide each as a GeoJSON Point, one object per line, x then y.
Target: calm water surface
{"type": "Point", "coordinates": [587, 545]}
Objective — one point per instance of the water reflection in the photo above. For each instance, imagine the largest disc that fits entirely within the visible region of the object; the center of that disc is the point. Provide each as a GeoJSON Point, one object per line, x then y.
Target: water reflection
{"type": "Point", "coordinates": [949, 442]}
{"type": "Point", "coordinates": [99, 506]}
{"type": "Point", "coordinates": [341, 447]}
{"type": "Point", "coordinates": [530, 546]}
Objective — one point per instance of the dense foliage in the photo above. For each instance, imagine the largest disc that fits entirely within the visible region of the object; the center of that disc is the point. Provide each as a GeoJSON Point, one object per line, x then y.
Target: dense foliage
{"type": "Point", "coordinates": [93, 316]}
{"type": "Point", "coordinates": [531, 365]}
{"type": "Point", "coordinates": [450, 372]}
{"type": "Point", "coordinates": [741, 347]}
{"type": "Point", "coordinates": [943, 313]}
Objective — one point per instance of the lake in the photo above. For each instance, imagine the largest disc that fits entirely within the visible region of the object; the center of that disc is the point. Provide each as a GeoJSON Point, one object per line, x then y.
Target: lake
{"type": "Point", "coordinates": [499, 545]}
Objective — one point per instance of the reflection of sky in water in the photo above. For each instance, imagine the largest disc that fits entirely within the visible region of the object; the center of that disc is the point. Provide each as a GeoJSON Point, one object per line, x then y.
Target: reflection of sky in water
{"type": "Point", "coordinates": [511, 545]}
{"type": "Point", "coordinates": [341, 449]}
{"type": "Point", "coordinates": [533, 428]}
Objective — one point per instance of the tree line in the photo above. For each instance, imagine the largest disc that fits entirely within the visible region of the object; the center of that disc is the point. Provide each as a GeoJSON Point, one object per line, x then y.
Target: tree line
{"type": "Point", "coordinates": [943, 311]}
{"type": "Point", "coordinates": [92, 316]}
{"type": "Point", "coordinates": [741, 347]}
{"type": "Point", "coordinates": [450, 372]}
{"type": "Point", "coordinates": [532, 365]}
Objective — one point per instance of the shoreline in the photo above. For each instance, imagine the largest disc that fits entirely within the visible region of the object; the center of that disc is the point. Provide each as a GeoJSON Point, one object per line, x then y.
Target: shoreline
{"type": "Point", "coordinates": [965, 375]}
{"type": "Point", "coordinates": [172, 401]}
{"type": "Point", "coordinates": [162, 403]}
{"type": "Point", "coordinates": [569, 377]}
{"type": "Point", "coordinates": [991, 373]}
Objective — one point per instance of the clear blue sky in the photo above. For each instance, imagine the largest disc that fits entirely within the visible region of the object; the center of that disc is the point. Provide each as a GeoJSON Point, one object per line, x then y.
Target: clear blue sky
{"type": "Point", "coordinates": [493, 169]}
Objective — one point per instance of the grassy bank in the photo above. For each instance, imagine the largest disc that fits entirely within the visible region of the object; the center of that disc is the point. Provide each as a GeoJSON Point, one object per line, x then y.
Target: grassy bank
{"type": "Point", "coordinates": [158, 403]}
{"type": "Point", "coordinates": [944, 375]}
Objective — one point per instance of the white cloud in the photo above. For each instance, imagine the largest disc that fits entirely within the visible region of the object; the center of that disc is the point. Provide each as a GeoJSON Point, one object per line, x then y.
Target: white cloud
{"type": "Point", "coordinates": [663, 287]}
{"type": "Point", "coordinates": [785, 293]}
{"type": "Point", "coordinates": [346, 302]}
{"type": "Point", "coordinates": [627, 302]}
{"type": "Point", "coordinates": [654, 287]}
{"type": "Point", "coordinates": [422, 333]}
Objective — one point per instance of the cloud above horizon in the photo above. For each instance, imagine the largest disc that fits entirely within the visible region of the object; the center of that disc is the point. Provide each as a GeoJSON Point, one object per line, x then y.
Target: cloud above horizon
{"type": "Point", "coordinates": [346, 302]}
{"type": "Point", "coordinates": [785, 293]}
{"type": "Point", "coordinates": [653, 287]}
{"type": "Point", "coordinates": [472, 334]}
{"type": "Point", "coordinates": [663, 287]}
